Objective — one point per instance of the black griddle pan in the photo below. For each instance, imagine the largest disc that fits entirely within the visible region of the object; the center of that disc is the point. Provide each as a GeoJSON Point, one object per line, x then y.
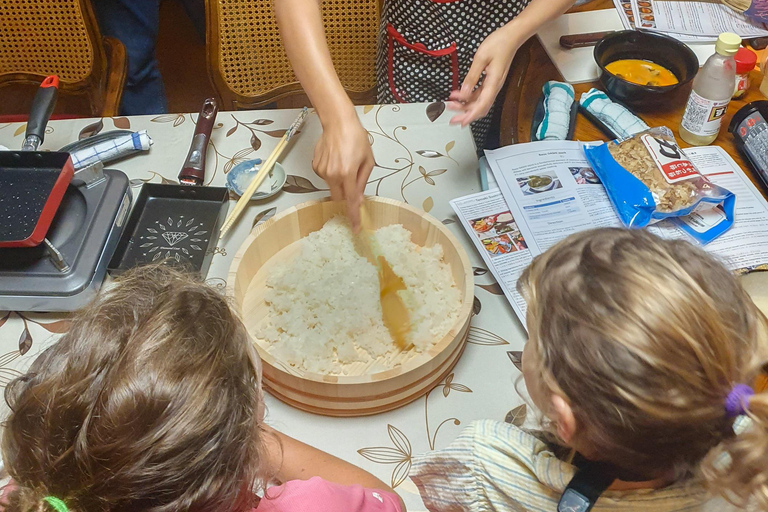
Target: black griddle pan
{"type": "Point", "coordinates": [178, 224]}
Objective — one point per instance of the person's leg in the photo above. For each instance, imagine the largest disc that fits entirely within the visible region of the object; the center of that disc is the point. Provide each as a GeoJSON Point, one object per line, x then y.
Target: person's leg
{"type": "Point", "coordinates": [135, 24]}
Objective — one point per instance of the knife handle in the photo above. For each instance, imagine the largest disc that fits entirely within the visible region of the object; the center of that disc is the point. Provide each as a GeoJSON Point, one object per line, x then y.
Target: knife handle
{"type": "Point", "coordinates": [582, 40]}
{"type": "Point", "coordinates": [193, 171]}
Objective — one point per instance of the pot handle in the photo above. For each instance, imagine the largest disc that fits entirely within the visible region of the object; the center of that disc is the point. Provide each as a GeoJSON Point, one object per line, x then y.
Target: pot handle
{"type": "Point", "coordinates": [42, 107]}
{"type": "Point", "coordinates": [193, 171]}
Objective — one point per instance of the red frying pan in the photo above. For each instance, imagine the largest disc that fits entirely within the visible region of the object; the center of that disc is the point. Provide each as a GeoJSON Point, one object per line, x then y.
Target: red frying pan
{"type": "Point", "coordinates": [33, 183]}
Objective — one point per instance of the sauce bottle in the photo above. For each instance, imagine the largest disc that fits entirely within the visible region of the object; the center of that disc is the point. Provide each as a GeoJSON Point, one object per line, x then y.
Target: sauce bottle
{"type": "Point", "coordinates": [712, 91]}
{"type": "Point", "coordinates": [745, 62]}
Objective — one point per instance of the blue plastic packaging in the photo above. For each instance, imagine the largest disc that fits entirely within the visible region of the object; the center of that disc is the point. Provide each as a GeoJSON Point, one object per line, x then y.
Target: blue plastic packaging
{"type": "Point", "coordinates": [649, 178]}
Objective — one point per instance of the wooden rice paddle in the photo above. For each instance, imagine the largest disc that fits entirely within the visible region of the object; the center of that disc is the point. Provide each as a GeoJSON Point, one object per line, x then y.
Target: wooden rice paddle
{"type": "Point", "coordinates": [393, 312]}
{"type": "Point", "coordinates": [265, 169]}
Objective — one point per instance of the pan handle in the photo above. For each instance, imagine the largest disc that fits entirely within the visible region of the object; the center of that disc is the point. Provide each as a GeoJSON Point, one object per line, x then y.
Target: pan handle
{"type": "Point", "coordinates": [42, 107]}
{"type": "Point", "coordinates": [193, 172]}
{"type": "Point", "coordinates": [582, 40]}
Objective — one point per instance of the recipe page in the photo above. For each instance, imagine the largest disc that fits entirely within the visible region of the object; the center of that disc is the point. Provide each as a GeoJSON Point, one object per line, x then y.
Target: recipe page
{"type": "Point", "coordinates": [745, 245]}
{"type": "Point", "coordinates": [694, 18]}
{"type": "Point", "coordinates": [552, 190]}
{"type": "Point", "coordinates": [497, 237]}
{"type": "Point", "coordinates": [643, 16]}
{"type": "Point", "coordinates": [547, 191]}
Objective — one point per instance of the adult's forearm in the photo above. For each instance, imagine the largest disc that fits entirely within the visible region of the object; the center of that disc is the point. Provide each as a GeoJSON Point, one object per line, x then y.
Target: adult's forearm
{"type": "Point", "coordinates": [301, 28]}
{"type": "Point", "coordinates": [536, 14]}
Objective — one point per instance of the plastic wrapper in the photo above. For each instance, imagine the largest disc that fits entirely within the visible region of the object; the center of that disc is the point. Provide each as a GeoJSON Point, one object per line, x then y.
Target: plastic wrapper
{"type": "Point", "coordinates": [649, 178]}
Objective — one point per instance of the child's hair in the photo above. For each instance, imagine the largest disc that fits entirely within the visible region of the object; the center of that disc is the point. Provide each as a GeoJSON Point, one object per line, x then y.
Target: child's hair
{"type": "Point", "coordinates": [646, 338]}
{"type": "Point", "coordinates": [151, 402]}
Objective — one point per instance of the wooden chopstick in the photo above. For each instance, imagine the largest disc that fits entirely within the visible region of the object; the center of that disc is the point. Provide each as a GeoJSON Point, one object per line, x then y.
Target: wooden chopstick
{"type": "Point", "coordinates": [266, 168]}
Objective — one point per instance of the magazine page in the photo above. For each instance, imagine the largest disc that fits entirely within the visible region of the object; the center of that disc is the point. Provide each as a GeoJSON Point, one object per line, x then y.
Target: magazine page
{"type": "Point", "coordinates": [552, 191]}
{"type": "Point", "coordinates": [643, 16]}
{"type": "Point", "coordinates": [708, 19]}
{"type": "Point", "coordinates": [496, 236]}
{"type": "Point", "coordinates": [624, 8]}
{"type": "Point", "coordinates": [745, 245]}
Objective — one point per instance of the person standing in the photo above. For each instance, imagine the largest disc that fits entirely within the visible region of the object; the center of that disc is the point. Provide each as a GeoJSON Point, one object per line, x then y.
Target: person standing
{"type": "Point", "coordinates": [135, 23]}
{"type": "Point", "coordinates": [429, 50]}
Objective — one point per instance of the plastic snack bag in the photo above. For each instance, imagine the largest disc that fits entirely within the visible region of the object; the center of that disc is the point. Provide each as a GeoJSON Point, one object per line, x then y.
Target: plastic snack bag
{"type": "Point", "coordinates": [649, 178]}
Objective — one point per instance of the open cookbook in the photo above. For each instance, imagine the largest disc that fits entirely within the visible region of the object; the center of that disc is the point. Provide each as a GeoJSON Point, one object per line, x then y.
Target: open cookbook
{"type": "Point", "coordinates": [546, 191]}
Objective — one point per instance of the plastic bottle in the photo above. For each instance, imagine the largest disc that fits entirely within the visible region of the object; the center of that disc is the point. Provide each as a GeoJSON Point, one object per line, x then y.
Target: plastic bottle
{"type": "Point", "coordinates": [745, 63]}
{"type": "Point", "coordinates": [712, 91]}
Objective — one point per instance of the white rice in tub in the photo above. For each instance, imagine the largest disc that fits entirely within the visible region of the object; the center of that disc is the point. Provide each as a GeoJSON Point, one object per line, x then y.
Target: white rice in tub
{"type": "Point", "coordinates": [324, 307]}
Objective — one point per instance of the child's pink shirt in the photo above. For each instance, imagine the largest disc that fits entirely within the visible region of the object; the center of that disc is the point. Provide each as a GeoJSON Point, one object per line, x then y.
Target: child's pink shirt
{"type": "Point", "coordinates": [313, 495]}
{"type": "Point", "coordinates": [318, 495]}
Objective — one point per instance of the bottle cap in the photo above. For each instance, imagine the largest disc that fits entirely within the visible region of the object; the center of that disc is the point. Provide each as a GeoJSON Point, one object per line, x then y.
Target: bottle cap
{"type": "Point", "coordinates": [745, 60]}
{"type": "Point", "coordinates": [727, 44]}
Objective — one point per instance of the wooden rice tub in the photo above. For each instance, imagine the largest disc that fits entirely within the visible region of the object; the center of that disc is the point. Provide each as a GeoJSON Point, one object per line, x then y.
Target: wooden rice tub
{"type": "Point", "coordinates": [372, 389]}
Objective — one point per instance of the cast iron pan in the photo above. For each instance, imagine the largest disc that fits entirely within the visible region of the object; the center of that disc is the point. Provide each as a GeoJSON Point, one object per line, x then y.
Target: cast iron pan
{"type": "Point", "coordinates": [32, 183]}
{"type": "Point", "coordinates": [178, 224]}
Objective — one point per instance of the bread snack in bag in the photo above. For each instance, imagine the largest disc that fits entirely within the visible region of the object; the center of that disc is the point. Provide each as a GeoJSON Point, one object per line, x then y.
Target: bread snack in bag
{"type": "Point", "coordinates": [649, 178]}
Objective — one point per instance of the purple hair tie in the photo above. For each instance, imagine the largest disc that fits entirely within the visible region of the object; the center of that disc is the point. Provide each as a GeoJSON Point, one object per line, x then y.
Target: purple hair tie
{"type": "Point", "coordinates": [736, 402]}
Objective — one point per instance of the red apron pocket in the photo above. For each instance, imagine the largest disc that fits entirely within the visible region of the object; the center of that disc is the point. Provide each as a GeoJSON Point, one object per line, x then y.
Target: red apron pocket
{"type": "Point", "coordinates": [414, 71]}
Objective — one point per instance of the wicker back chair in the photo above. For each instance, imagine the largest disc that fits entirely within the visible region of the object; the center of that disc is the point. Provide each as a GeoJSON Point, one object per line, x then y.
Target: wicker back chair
{"type": "Point", "coordinates": [60, 37]}
{"type": "Point", "coordinates": [248, 65]}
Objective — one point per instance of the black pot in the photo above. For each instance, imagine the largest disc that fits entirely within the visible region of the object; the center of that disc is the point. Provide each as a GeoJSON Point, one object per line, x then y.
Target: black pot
{"type": "Point", "coordinates": [657, 48]}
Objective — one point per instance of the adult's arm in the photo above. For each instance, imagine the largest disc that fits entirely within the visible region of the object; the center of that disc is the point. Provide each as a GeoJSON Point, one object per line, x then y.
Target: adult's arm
{"type": "Point", "coordinates": [343, 156]}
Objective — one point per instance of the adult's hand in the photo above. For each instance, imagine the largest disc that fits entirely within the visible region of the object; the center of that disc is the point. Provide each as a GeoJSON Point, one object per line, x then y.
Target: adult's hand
{"type": "Point", "coordinates": [493, 57]}
{"type": "Point", "coordinates": [343, 158]}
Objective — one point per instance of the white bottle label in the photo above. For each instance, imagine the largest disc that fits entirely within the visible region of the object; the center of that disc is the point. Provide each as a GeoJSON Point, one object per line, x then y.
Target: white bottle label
{"type": "Point", "coordinates": [703, 116]}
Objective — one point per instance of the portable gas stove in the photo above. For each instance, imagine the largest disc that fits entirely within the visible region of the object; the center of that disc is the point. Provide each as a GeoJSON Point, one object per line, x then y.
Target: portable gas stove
{"type": "Point", "coordinates": [67, 270]}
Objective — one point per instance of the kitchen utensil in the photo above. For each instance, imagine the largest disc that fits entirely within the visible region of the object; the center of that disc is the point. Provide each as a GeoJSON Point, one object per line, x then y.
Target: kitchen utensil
{"type": "Point", "coordinates": [265, 169]}
{"type": "Point", "coordinates": [583, 40]}
{"type": "Point", "coordinates": [193, 172]}
{"type": "Point", "coordinates": [84, 234]}
{"type": "Point", "coordinates": [245, 171]}
{"type": "Point", "coordinates": [661, 49]}
{"type": "Point", "coordinates": [364, 389]}
{"type": "Point", "coordinates": [395, 315]}
{"type": "Point", "coordinates": [32, 183]}
{"type": "Point", "coordinates": [177, 223]}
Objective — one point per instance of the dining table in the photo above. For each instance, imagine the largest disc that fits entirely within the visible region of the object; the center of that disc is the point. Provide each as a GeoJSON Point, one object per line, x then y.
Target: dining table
{"type": "Point", "coordinates": [421, 160]}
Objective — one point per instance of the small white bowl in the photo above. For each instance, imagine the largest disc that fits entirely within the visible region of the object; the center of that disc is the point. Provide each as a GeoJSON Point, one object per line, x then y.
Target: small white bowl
{"type": "Point", "coordinates": [242, 174]}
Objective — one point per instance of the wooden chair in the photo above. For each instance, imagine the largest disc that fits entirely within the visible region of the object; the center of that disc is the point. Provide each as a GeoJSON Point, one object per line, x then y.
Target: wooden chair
{"type": "Point", "coordinates": [59, 37]}
{"type": "Point", "coordinates": [248, 65]}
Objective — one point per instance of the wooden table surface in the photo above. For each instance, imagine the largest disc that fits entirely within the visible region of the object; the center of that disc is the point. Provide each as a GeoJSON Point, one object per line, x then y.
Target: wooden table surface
{"type": "Point", "coordinates": [532, 68]}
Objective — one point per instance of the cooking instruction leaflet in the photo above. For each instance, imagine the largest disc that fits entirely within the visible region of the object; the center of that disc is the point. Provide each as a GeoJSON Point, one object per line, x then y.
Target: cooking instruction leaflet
{"type": "Point", "coordinates": [547, 191]}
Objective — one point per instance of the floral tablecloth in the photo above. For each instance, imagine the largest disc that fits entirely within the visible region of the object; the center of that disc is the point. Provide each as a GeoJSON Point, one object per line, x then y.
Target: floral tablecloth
{"type": "Point", "coordinates": [420, 159]}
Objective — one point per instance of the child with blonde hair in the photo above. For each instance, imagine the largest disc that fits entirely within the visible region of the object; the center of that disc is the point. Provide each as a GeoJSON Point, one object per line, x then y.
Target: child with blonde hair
{"type": "Point", "coordinates": [152, 402]}
{"type": "Point", "coordinates": [641, 357]}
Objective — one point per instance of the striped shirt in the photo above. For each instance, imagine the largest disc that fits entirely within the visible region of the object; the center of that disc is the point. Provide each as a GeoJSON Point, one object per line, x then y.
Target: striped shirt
{"type": "Point", "coordinates": [497, 466]}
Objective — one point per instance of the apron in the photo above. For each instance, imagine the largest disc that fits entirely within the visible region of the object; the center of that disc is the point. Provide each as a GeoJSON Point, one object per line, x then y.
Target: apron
{"type": "Point", "coordinates": [426, 48]}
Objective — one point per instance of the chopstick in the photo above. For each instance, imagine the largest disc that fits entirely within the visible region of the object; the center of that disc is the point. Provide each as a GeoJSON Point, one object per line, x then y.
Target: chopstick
{"type": "Point", "coordinates": [266, 168]}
